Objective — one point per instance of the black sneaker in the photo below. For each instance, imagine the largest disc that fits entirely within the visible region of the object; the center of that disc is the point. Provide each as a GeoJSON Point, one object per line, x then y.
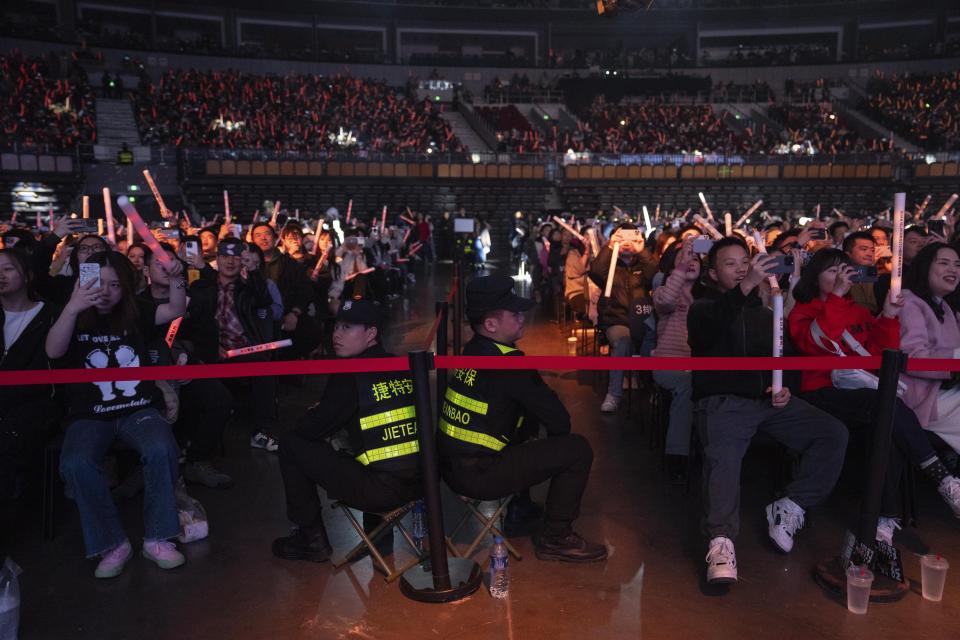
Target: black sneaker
{"type": "Point", "coordinates": [568, 548]}
{"type": "Point", "coordinates": [304, 544]}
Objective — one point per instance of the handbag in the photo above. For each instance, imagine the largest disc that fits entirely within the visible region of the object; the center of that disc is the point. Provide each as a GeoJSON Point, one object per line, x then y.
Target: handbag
{"type": "Point", "coordinates": [849, 378]}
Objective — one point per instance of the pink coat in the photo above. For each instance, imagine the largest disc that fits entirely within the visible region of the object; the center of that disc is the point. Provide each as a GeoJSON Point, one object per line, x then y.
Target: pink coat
{"type": "Point", "coordinates": [922, 335]}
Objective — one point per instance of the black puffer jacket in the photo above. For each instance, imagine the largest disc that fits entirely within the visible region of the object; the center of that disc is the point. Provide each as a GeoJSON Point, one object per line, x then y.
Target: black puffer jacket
{"type": "Point", "coordinates": [631, 281]}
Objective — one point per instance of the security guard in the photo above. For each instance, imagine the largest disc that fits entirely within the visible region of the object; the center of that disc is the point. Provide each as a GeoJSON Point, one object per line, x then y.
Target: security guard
{"type": "Point", "coordinates": [482, 414]}
{"type": "Point", "coordinates": [373, 413]}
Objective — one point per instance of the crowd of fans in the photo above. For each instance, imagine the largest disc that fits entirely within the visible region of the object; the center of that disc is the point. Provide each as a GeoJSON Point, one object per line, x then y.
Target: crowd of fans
{"type": "Point", "coordinates": [817, 128]}
{"type": "Point", "coordinates": [770, 55]}
{"type": "Point", "coordinates": [230, 109]}
{"type": "Point", "coordinates": [670, 297]}
{"type": "Point", "coordinates": [46, 101]}
{"type": "Point", "coordinates": [922, 108]}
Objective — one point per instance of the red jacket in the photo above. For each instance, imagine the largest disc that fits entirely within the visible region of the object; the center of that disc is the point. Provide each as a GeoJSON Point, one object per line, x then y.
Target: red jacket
{"type": "Point", "coordinates": [833, 316]}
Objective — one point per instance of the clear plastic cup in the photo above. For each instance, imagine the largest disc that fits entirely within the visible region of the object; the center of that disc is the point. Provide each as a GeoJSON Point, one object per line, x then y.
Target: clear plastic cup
{"type": "Point", "coordinates": [933, 575]}
{"type": "Point", "coordinates": [859, 582]}
{"type": "Point", "coordinates": [572, 345]}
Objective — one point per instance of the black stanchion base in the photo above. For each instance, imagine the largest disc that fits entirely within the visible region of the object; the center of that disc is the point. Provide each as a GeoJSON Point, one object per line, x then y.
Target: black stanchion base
{"type": "Point", "coordinates": [465, 578]}
{"type": "Point", "coordinates": [829, 575]}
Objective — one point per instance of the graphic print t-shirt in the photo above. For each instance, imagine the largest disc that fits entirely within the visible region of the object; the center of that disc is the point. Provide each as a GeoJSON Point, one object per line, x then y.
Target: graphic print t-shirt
{"type": "Point", "coordinates": [100, 347]}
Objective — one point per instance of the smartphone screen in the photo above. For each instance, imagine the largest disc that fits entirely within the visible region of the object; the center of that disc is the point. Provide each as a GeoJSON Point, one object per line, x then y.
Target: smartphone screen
{"type": "Point", "coordinates": [702, 245]}
{"type": "Point", "coordinates": [783, 264]}
{"type": "Point", "coordinates": [89, 272]}
{"type": "Point", "coordinates": [818, 233]}
{"type": "Point", "coordinates": [192, 248]}
{"type": "Point", "coordinates": [864, 274]}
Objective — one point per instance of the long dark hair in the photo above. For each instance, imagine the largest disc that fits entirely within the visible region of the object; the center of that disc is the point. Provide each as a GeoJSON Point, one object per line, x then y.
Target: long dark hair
{"type": "Point", "coordinates": [808, 287]}
{"type": "Point", "coordinates": [123, 316]}
{"type": "Point", "coordinates": [21, 261]}
{"type": "Point", "coordinates": [917, 278]}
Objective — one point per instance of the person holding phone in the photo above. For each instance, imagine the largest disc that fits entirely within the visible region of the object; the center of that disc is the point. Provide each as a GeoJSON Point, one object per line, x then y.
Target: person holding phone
{"type": "Point", "coordinates": [861, 249]}
{"type": "Point", "coordinates": [104, 327]}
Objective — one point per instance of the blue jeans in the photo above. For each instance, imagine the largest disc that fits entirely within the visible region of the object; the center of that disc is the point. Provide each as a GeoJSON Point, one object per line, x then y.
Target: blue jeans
{"type": "Point", "coordinates": [621, 346]}
{"type": "Point", "coordinates": [84, 446]}
{"type": "Point", "coordinates": [680, 385]}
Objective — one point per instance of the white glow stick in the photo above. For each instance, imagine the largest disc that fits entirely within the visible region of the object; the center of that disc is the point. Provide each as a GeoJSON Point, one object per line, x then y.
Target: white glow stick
{"type": "Point", "coordinates": [817, 213]}
{"type": "Point", "coordinates": [749, 212]}
{"type": "Point", "coordinates": [946, 206]}
{"type": "Point", "coordinates": [646, 219]}
{"type": "Point", "coordinates": [164, 212]}
{"type": "Point", "coordinates": [777, 382]}
{"type": "Point", "coordinates": [111, 225]}
{"type": "Point", "coordinates": [762, 248]}
{"type": "Point", "coordinates": [896, 274]}
{"type": "Point", "coordinates": [709, 228]}
{"type": "Point", "coordinates": [86, 207]}
{"type": "Point", "coordinates": [226, 207]}
{"type": "Point", "coordinates": [612, 269]}
{"type": "Point", "coordinates": [728, 223]}
{"type": "Point", "coordinates": [274, 214]}
{"type": "Point", "coordinates": [594, 245]}
{"type": "Point", "coordinates": [572, 231]}
{"type": "Point", "coordinates": [383, 221]}
{"type": "Point", "coordinates": [258, 348]}
{"type": "Point", "coordinates": [706, 207]}
{"type": "Point", "coordinates": [316, 236]}
{"type": "Point", "coordinates": [133, 217]}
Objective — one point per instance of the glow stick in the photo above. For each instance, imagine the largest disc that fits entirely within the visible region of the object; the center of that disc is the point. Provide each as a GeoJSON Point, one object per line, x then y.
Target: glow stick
{"type": "Point", "coordinates": [133, 218]}
{"type": "Point", "coordinates": [226, 207]}
{"type": "Point", "coordinates": [656, 214]}
{"type": "Point", "coordinates": [728, 223]}
{"type": "Point", "coordinates": [258, 348]}
{"type": "Point", "coordinates": [818, 211]}
{"type": "Point", "coordinates": [274, 214]}
{"type": "Point", "coordinates": [594, 245]}
{"type": "Point", "coordinates": [316, 236]}
{"type": "Point", "coordinates": [706, 207]}
{"type": "Point", "coordinates": [923, 207]}
{"type": "Point", "coordinates": [38, 221]}
{"type": "Point", "coordinates": [349, 209]}
{"type": "Point", "coordinates": [406, 235]}
{"type": "Point", "coordinates": [86, 207]}
{"type": "Point", "coordinates": [572, 231]}
{"type": "Point", "coordinates": [612, 269]}
{"type": "Point", "coordinates": [762, 248]}
{"type": "Point", "coordinates": [172, 331]}
{"type": "Point", "coordinates": [946, 206]}
{"type": "Point", "coordinates": [296, 214]}
{"type": "Point", "coordinates": [129, 232]}
{"type": "Point", "coordinates": [777, 382]}
{"type": "Point", "coordinates": [749, 212]}
{"type": "Point", "coordinates": [357, 273]}
{"type": "Point", "coordinates": [99, 226]}
{"type": "Point", "coordinates": [709, 228]}
{"type": "Point", "coordinates": [646, 219]}
{"type": "Point", "coordinates": [111, 225]}
{"type": "Point", "coordinates": [187, 217]}
{"type": "Point", "coordinates": [414, 248]}
{"type": "Point", "coordinates": [407, 220]}
{"type": "Point", "coordinates": [383, 220]}
{"type": "Point", "coordinates": [322, 261]}
{"type": "Point", "coordinates": [896, 275]}
{"type": "Point", "coordinates": [156, 195]}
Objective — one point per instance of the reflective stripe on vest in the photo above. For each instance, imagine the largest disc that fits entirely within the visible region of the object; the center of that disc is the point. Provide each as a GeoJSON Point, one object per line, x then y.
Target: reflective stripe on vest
{"type": "Point", "coordinates": [394, 415]}
{"type": "Point", "coordinates": [473, 437]}
{"type": "Point", "coordinates": [385, 453]}
{"type": "Point", "coordinates": [504, 349]}
{"type": "Point", "coordinates": [466, 402]}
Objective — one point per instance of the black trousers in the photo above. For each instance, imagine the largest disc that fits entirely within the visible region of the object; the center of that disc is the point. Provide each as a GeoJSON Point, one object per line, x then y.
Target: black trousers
{"type": "Point", "coordinates": [564, 460]}
{"type": "Point", "coordinates": [306, 463]}
{"type": "Point", "coordinates": [205, 408]}
{"type": "Point", "coordinates": [856, 408]}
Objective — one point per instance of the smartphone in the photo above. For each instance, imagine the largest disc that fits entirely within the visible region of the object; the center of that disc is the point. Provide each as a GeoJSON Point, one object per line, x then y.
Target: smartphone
{"type": "Point", "coordinates": [782, 264]}
{"type": "Point", "coordinates": [89, 272]}
{"type": "Point", "coordinates": [818, 233]}
{"type": "Point", "coordinates": [863, 273]}
{"type": "Point", "coordinates": [191, 247]}
{"type": "Point", "coordinates": [238, 231]}
{"type": "Point", "coordinates": [702, 245]}
{"type": "Point", "coordinates": [935, 226]}
{"type": "Point", "coordinates": [86, 225]}
{"type": "Point", "coordinates": [170, 235]}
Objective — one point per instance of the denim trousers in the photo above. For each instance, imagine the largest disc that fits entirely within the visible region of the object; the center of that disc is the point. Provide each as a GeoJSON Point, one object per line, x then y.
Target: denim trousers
{"type": "Point", "coordinates": [84, 447]}
{"type": "Point", "coordinates": [621, 345]}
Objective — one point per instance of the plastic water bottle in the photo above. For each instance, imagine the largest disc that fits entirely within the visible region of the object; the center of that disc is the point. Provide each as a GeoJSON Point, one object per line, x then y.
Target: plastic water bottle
{"type": "Point", "coordinates": [419, 525]}
{"type": "Point", "coordinates": [499, 570]}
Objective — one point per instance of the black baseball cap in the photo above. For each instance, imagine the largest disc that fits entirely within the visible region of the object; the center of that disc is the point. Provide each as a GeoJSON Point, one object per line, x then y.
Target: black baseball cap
{"type": "Point", "coordinates": [231, 247]}
{"type": "Point", "coordinates": [360, 311]}
{"type": "Point", "coordinates": [493, 293]}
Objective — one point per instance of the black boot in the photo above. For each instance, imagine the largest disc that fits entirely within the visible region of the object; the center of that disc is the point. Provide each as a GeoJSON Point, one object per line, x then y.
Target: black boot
{"type": "Point", "coordinates": [569, 547]}
{"type": "Point", "coordinates": [304, 543]}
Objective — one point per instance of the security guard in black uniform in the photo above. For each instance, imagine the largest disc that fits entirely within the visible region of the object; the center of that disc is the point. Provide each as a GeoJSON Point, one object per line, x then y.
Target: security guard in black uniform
{"type": "Point", "coordinates": [378, 468]}
{"type": "Point", "coordinates": [483, 412]}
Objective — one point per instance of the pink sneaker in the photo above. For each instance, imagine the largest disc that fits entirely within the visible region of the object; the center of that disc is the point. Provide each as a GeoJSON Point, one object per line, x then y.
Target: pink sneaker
{"type": "Point", "coordinates": [164, 553]}
{"type": "Point", "coordinates": [112, 562]}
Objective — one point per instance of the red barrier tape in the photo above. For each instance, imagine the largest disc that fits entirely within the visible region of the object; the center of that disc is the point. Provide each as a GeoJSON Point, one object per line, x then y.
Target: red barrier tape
{"type": "Point", "coordinates": [367, 365]}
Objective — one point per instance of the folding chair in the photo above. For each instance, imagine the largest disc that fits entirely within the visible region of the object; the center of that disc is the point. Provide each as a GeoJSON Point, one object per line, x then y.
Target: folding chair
{"type": "Point", "coordinates": [489, 526]}
{"type": "Point", "coordinates": [367, 542]}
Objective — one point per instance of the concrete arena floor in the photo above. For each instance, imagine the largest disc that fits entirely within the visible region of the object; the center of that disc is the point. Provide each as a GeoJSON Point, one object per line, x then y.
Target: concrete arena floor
{"type": "Point", "coordinates": [651, 587]}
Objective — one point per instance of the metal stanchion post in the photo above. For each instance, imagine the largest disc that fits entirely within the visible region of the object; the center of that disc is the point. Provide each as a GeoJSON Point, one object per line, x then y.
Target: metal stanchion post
{"type": "Point", "coordinates": [831, 573]}
{"type": "Point", "coordinates": [448, 578]}
{"type": "Point", "coordinates": [458, 306]}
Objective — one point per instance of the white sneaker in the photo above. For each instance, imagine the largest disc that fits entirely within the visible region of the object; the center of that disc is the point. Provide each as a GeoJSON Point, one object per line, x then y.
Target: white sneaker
{"type": "Point", "coordinates": [610, 404]}
{"type": "Point", "coordinates": [785, 518]}
{"type": "Point", "coordinates": [886, 528]}
{"type": "Point", "coordinates": [721, 561]}
{"type": "Point", "coordinates": [950, 490]}
{"type": "Point", "coordinates": [263, 440]}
